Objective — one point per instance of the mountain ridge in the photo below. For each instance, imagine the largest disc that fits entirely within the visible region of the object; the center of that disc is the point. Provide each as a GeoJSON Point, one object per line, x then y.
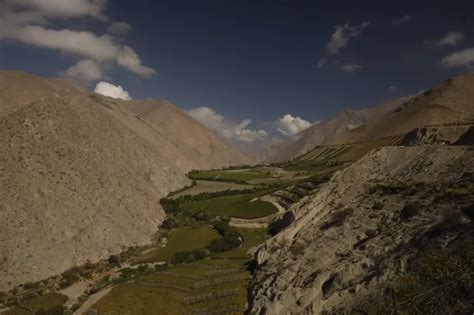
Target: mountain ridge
{"type": "Point", "coordinates": [82, 171]}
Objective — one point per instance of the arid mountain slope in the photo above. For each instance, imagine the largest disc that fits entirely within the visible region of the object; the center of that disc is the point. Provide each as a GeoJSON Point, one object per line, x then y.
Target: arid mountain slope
{"type": "Point", "coordinates": [81, 175]}
{"type": "Point", "coordinates": [448, 102]}
{"type": "Point", "coordinates": [361, 229]}
{"type": "Point", "coordinates": [327, 131]}
{"type": "Point", "coordinates": [19, 88]}
{"type": "Point", "coordinates": [193, 137]}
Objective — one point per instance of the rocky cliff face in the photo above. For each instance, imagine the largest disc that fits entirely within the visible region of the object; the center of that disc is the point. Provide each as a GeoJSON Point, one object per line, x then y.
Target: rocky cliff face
{"type": "Point", "coordinates": [81, 175]}
{"type": "Point", "coordinates": [361, 229]}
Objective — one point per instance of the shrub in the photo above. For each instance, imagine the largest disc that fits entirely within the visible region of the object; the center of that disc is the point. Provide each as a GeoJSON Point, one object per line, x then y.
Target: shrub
{"type": "Point", "coordinates": [189, 256]}
{"type": "Point", "coordinates": [169, 224]}
{"type": "Point", "coordinates": [378, 205]}
{"type": "Point", "coordinates": [114, 261]}
{"type": "Point", "coordinates": [223, 244]}
{"type": "Point", "coordinates": [69, 277]}
{"type": "Point", "coordinates": [469, 211]}
{"type": "Point", "coordinates": [337, 219]}
{"type": "Point", "coordinates": [409, 210]}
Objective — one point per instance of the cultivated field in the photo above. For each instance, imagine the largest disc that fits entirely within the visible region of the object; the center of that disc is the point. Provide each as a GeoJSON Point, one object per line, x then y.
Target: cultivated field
{"type": "Point", "coordinates": [244, 206]}
{"type": "Point", "coordinates": [208, 186]}
{"type": "Point", "coordinates": [218, 283]}
{"type": "Point", "coordinates": [49, 303]}
{"type": "Point", "coordinates": [179, 240]}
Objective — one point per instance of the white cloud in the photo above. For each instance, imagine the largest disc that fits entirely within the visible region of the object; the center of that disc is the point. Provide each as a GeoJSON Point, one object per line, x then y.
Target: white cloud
{"type": "Point", "coordinates": [130, 60]}
{"type": "Point", "coordinates": [26, 21]}
{"type": "Point", "coordinates": [393, 89]}
{"type": "Point", "coordinates": [227, 128]}
{"type": "Point", "coordinates": [84, 44]}
{"type": "Point", "coordinates": [85, 70]}
{"type": "Point", "coordinates": [451, 39]}
{"type": "Point", "coordinates": [111, 90]}
{"type": "Point", "coordinates": [119, 28]}
{"type": "Point", "coordinates": [290, 125]}
{"type": "Point", "coordinates": [401, 20]}
{"type": "Point", "coordinates": [351, 68]}
{"type": "Point", "coordinates": [342, 34]}
{"type": "Point", "coordinates": [61, 8]}
{"type": "Point", "coordinates": [461, 58]}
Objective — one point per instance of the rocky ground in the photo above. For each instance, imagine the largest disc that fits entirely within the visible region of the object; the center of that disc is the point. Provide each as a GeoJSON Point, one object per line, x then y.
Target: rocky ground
{"type": "Point", "coordinates": [361, 229]}
{"type": "Point", "coordinates": [81, 175]}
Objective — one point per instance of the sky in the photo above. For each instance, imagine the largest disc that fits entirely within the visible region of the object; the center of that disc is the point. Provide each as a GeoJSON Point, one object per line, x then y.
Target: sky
{"type": "Point", "coordinates": [254, 71]}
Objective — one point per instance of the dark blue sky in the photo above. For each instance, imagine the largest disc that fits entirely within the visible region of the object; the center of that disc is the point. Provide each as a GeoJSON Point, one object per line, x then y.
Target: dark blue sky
{"type": "Point", "coordinates": [258, 59]}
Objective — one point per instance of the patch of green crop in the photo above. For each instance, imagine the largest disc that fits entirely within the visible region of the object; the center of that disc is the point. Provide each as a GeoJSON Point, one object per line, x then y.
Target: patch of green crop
{"type": "Point", "coordinates": [50, 303]}
{"type": "Point", "coordinates": [237, 176]}
{"type": "Point", "coordinates": [181, 239]}
{"type": "Point", "coordinates": [237, 206]}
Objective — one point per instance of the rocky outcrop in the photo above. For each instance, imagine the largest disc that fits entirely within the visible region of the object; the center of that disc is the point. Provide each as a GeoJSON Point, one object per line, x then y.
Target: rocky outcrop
{"type": "Point", "coordinates": [361, 229]}
{"type": "Point", "coordinates": [434, 135]}
{"type": "Point", "coordinates": [467, 138]}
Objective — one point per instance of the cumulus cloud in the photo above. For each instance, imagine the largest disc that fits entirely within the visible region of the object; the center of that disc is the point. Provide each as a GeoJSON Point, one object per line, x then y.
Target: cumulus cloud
{"type": "Point", "coordinates": [111, 90]}
{"type": "Point", "coordinates": [351, 67]}
{"type": "Point", "coordinates": [342, 34]}
{"type": "Point", "coordinates": [461, 58]}
{"type": "Point", "coordinates": [85, 70]}
{"type": "Point", "coordinates": [451, 39]}
{"type": "Point", "coordinates": [225, 127]}
{"type": "Point", "coordinates": [290, 125]}
{"type": "Point", "coordinates": [27, 21]}
{"type": "Point", "coordinates": [401, 20]}
{"type": "Point", "coordinates": [119, 28]}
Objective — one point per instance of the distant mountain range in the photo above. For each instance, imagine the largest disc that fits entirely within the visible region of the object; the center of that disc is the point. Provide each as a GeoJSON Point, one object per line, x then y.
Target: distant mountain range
{"type": "Point", "coordinates": [447, 102]}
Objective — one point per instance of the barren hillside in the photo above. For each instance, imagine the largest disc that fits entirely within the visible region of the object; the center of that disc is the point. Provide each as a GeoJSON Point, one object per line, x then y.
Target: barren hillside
{"type": "Point", "coordinates": [361, 230]}
{"type": "Point", "coordinates": [327, 131]}
{"type": "Point", "coordinates": [446, 103]}
{"type": "Point", "coordinates": [81, 174]}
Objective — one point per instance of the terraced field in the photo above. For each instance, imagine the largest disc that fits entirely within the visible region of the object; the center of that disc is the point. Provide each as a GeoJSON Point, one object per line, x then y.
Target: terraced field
{"type": "Point", "coordinates": [349, 152]}
{"type": "Point", "coordinates": [217, 284]}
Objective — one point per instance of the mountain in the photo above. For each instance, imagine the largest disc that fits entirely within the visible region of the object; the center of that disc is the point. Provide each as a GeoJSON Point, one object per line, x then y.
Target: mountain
{"type": "Point", "coordinates": [326, 132]}
{"type": "Point", "coordinates": [388, 230]}
{"type": "Point", "coordinates": [401, 217]}
{"type": "Point", "coordinates": [81, 175]}
{"type": "Point", "coordinates": [446, 103]}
